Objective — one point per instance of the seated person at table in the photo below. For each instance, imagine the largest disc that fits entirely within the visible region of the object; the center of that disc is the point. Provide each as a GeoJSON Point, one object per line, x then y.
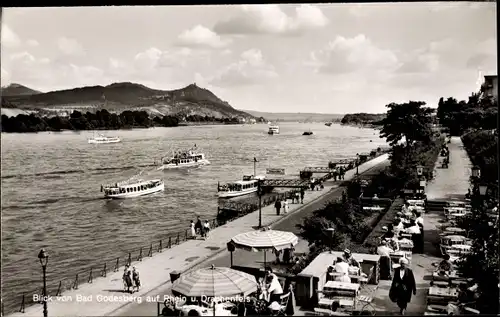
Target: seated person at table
{"type": "Point", "coordinates": [269, 271]}
{"type": "Point", "coordinates": [413, 228]}
{"type": "Point", "coordinates": [445, 266]}
{"type": "Point", "coordinates": [335, 306]}
{"type": "Point", "coordinates": [389, 234]}
{"type": "Point", "coordinates": [405, 207]}
{"type": "Point", "coordinates": [341, 266]}
{"type": "Point", "coordinates": [344, 278]}
{"type": "Point", "coordinates": [384, 250]}
{"type": "Point", "coordinates": [274, 289]}
{"type": "Point", "coordinates": [347, 256]}
{"type": "Point", "coordinates": [418, 219]}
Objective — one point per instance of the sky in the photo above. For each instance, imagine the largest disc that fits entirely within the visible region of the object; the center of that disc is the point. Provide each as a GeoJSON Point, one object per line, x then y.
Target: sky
{"type": "Point", "coordinates": [323, 58]}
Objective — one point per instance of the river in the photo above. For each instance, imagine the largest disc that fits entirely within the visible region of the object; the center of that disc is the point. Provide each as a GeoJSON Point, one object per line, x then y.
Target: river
{"type": "Point", "coordinates": [51, 188]}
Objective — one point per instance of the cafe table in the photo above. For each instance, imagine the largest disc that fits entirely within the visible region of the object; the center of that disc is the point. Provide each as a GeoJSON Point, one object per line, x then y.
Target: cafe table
{"type": "Point", "coordinates": [441, 295]}
{"type": "Point", "coordinates": [374, 208]}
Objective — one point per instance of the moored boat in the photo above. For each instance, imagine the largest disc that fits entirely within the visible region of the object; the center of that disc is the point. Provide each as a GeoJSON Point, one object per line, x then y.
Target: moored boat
{"type": "Point", "coordinates": [248, 185]}
{"type": "Point", "coordinates": [133, 187]}
{"type": "Point", "coordinates": [102, 139]}
{"type": "Point", "coordinates": [273, 129]}
{"type": "Point", "coordinates": [180, 159]}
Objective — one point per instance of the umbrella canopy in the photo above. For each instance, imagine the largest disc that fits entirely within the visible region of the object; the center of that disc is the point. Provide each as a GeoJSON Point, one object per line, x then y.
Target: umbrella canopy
{"type": "Point", "coordinates": [215, 281]}
{"type": "Point", "coordinates": [263, 240]}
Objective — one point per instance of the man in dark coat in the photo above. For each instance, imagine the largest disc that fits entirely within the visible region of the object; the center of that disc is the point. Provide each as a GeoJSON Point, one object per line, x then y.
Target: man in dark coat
{"type": "Point", "coordinates": [277, 205]}
{"type": "Point", "coordinates": [198, 226]}
{"type": "Point", "coordinates": [403, 285]}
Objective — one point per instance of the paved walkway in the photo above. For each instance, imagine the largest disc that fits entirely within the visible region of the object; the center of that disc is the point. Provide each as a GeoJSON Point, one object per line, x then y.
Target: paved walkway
{"type": "Point", "coordinates": [452, 182]}
{"type": "Point", "coordinates": [105, 295]}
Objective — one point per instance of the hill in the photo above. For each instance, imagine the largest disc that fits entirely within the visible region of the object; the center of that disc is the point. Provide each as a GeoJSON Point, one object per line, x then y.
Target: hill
{"type": "Point", "coordinates": [18, 90]}
{"type": "Point", "coordinates": [297, 117]}
{"type": "Point", "coordinates": [362, 118]}
{"type": "Point", "coordinates": [118, 97]}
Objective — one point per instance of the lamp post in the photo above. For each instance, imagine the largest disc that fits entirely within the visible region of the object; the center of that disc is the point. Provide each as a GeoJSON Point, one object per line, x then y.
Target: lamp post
{"type": "Point", "coordinates": [357, 164]}
{"type": "Point", "coordinates": [259, 192]}
{"type": "Point", "coordinates": [44, 259]}
{"type": "Point", "coordinates": [330, 232]}
{"type": "Point", "coordinates": [476, 172]}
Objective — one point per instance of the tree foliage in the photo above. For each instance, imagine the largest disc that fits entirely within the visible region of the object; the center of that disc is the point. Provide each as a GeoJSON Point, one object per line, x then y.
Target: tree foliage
{"type": "Point", "coordinates": [482, 147]}
{"type": "Point", "coordinates": [409, 121]}
{"type": "Point", "coordinates": [102, 119]}
{"type": "Point", "coordinates": [478, 112]}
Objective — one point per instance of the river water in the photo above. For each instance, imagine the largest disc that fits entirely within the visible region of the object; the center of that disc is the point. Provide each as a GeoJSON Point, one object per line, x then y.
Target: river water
{"type": "Point", "coordinates": [51, 189]}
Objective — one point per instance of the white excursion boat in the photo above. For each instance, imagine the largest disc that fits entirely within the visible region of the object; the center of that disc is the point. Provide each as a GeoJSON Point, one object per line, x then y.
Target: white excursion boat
{"type": "Point", "coordinates": [274, 129]}
{"type": "Point", "coordinates": [133, 187]}
{"type": "Point", "coordinates": [180, 159]}
{"type": "Point", "coordinates": [248, 185]}
{"type": "Point", "coordinates": [102, 139]}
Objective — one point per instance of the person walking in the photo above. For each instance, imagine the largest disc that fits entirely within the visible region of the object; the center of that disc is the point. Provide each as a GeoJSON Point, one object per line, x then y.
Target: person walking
{"type": "Point", "coordinates": [136, 279]}
{"type": "Point", "coordinates": [285, 206]}
{"type": "Point", "coordinates": [193, 230]}
{"type": "Point", "coordinates": [206, 228]}
{"type": "Point", "coordinates": [277, 205]}
{"type": "Point", "coordinates": [198, 226]}
{"type": "Point", "coordinates": [297, 196]}
{"type": "Point", "coordinates": [403, 285]}
{"type": "Point", "coordinates": [302, 195]}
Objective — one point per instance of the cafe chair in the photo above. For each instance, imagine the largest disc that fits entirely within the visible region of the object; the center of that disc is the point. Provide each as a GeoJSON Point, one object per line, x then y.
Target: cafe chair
{"type": "Point", "coordinates": [366, 298]}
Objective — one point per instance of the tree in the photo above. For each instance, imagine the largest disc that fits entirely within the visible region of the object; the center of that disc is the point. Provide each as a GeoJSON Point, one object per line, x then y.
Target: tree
{"type": "Point", "coordinates": [409, 121]}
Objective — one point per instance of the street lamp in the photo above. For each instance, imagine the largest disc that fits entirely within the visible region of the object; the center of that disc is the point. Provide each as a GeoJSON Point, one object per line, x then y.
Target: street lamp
{"type": "Point", "coordinates": [483, 188]}
{"type": "Point", "coordinates": [357, 164]}
{"type": "Point", "coordinates": [331, 232]}
{"type": "Point", "coordinates": [44, 259]}
{"type": "Point", "coordinates": [476, 172]}
{"type": "Point", "coordinates": [259, 192]}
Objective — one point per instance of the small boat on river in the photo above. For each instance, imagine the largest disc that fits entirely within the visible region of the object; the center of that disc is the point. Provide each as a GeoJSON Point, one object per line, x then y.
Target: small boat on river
{"type": "Point", "coordinates": [328, 124]}
{"type": "Point", "coordinates": [180, 159]}
{"type": "Point", "coordinates": [308, 133]}
{"type": "Point", "coordinates": [102, 139]}
{"type": "Point", "coordinates": [273, 129]}
{"type": "Point", "coordinates": [248, 185]}
{"type": "Point", "coordinates": [133, 187]}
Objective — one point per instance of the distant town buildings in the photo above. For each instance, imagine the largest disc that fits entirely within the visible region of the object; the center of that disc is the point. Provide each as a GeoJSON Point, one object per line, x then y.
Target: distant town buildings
{"type": "Point", "coordinates": [489, 88]}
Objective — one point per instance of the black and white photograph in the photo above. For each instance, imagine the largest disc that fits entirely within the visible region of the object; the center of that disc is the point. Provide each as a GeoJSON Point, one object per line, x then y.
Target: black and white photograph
{"type": "Point", "coordinates": [304, 159]}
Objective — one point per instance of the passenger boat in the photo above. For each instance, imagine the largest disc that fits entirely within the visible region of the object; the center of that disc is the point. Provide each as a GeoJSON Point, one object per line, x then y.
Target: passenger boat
{"type": "Point", "coordinates": [273, 129]}
{"type": "Point", "coordinates": [248, 185]}
{"type": "Point", "coordinates": [102, 139]}
{"type": "Point", "coordinates": [133, 187]}
{"type": "Point", "coordinates": [180, 159]}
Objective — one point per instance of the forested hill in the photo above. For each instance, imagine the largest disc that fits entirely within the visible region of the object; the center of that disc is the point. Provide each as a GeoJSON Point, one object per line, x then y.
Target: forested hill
{"type": "Point", "coordinates": [363, 118]}
{"type": "Point", "coordinates": [117, 97]}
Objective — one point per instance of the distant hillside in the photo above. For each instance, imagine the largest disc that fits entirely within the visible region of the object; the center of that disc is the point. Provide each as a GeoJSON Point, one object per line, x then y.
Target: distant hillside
{"type": "Point", "coordinates": [188, 101]}
{"type": "Point", "coordinates": [297, 117]}
{"type": "Point", "coordinates": [17, 90]}
{"type": "Point", "coordinates": [362, 118]}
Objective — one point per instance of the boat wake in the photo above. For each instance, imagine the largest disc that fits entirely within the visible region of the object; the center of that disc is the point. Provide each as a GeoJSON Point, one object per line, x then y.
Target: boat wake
{"type": "Point", "coordinates": [60, 174]}
{"type": "Point", "coordinates": [48, 202]}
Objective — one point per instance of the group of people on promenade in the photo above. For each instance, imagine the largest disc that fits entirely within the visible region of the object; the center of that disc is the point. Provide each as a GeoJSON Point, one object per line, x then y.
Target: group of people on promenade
{"type": "Point", "coordinates": [199, 228]}
{"type": "Point", "coordinates": [131, 280]}
{"type": "Point", "coordinates": [297, 197]}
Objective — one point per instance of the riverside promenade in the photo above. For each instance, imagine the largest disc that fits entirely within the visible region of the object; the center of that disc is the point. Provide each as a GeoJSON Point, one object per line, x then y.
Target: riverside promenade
{"type": "Point", "coordinates": [448, 184]}
{"type": "Point", "coordinates": [105, 295]}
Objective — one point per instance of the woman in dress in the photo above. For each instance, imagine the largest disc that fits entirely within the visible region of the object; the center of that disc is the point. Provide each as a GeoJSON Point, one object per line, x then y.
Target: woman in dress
{"type": "Point", "coordinates": [403, 285]}
{"type": "Point", "coordinates": [193, 230]}
{"type": "Point", "coordinates": [285, 206]}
